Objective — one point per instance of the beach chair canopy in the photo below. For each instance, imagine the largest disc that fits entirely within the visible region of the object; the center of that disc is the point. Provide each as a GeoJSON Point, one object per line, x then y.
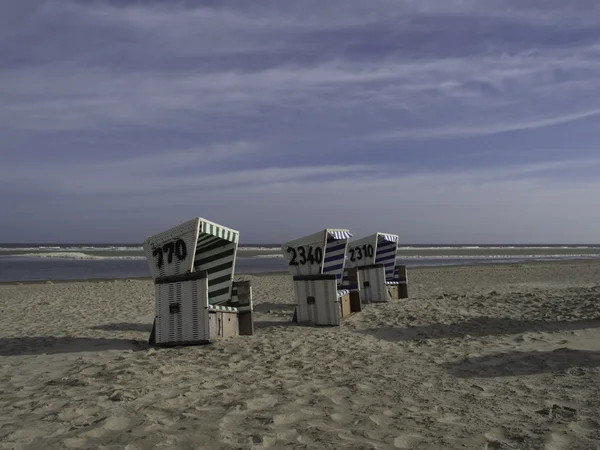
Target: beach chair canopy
{"type": "Point", "coordinates": [196, 245]}
{"type": "Point", "coordinates": [377, 248]}
{"type": "Point", "coordinates": [319, 253]}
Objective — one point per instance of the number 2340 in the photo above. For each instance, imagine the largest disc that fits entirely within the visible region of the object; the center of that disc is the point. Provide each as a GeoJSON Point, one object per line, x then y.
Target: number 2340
{"type": "Point", "coordinates": [304, 255]}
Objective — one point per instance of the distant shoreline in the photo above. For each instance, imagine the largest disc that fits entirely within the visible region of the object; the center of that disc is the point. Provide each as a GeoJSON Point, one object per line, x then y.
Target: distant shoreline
{"type": "Point", "coordinates": [424, 252]}
{"type": "Point", "coordinates": [459, 267]}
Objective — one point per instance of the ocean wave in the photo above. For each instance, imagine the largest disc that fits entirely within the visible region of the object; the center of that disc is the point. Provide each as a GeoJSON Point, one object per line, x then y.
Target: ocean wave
{"type": "Point", "coordinates": [530, 256]}
{"type": "Point", "coordinates": [467, 257]}
{"type": "Point", "coordinates": [500, 247]}
{"type": "Point", "coordinates": [76, 255]}
{"type": "Point", "coordinates": [260, 249]}
{"type": "Point", "coordinates": [73, 249]}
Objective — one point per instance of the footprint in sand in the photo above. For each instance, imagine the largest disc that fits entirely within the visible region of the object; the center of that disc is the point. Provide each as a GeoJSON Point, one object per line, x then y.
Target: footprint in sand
{"type": "Point", "coordinates": [117, 423]}
{"type": "Point", "coordinates": [266, 401]}
{"type": "Point", "coordinates": [79, 414]}
{"type": "Point", "coordinates": [287, 419]}
{"type": "Point", "coordinates": [341, 418]}
{"type": "Point", "coordinates": [451, 419]}
{"type": "Point", "coordinates": [107, 426]}
{"type": "Point", "coordinates": [75, 443]}
{"type": "Point", "coordinates": [556, 441]}
{"type": "Point", "coordinates": [585, 426]}
{"type": "Point", "coordinates": [380, 420]}
{"type": "Point", "coordinates": [23, 436]}
{"type": "Point", "coordinates": [257, 442]}
{"type": "Point", "coordinates": [408, 441]}
{"type": "Point", "coordinates": [92, 371]}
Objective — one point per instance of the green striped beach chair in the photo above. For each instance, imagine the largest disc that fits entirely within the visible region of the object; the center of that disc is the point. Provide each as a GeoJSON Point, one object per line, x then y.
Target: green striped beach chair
{"type": "Point", "coordinates": [197, 300]}
{"type": "Point", "coordinates": [316, 263]}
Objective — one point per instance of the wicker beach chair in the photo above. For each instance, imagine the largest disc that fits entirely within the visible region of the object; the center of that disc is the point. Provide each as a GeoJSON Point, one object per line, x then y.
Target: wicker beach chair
{"type": "Point", "coordinates": [316, 263]}
{"type": "Point", "coordinates": [379, 278]}
{"type": "Point", "coordinates": [197, 300]}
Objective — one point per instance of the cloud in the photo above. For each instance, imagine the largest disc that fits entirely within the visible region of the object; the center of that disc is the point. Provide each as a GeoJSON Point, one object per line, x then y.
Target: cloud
{"type": "Point", "coordinates": [145, 79]}
{"type": "Point", "coordinates": [274, 203]}
{"type": "Point", "coordinates": [124, 117]}
{"type": "Point", "coordinates": [483, 130]}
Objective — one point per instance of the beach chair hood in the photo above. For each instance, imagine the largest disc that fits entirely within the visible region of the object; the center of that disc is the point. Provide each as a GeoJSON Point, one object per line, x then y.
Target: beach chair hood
{"type": "Point", "coordinates": [196, 245]}
{"type": "Point", "coordinates": [377, 248]}
{"type": "Point", "coordinates": [318, 253]}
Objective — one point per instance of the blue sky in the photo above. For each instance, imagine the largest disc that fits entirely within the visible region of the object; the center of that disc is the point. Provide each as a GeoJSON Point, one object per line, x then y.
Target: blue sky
{"type": "Point", "coordinates": [443, 121]}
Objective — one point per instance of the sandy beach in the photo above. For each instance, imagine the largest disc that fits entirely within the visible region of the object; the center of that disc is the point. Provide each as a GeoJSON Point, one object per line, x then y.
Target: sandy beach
{"type": "Point", "coordinates": [481, 357]}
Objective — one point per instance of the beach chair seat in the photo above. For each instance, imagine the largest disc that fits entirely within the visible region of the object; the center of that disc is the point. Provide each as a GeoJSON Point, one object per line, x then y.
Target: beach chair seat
{"type": "Point", "coordinates": [316, 263]}
{"type": "Point", "coordinates": [197, 300]}
{"type": "Point", "coordinates": [398, 285]}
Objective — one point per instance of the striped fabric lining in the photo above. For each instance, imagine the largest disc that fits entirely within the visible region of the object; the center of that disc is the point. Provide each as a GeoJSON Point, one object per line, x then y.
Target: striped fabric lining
{"type": "Point", "coordinates": [337, 235]}
{"type": "Point", "coordinates": [386, 254]}
{"type": "Point", "coordinates": [388, 237]}
{"type": "Point", "coordinates": [335, 253]}
{"type": "Point", "coordinates": [342, 292]}
{"type": "Point", "coordinates": [216, 256]}
{"type": "Point", "coordinates": [222, 308]}
{"type": "Point", "coordinates": [395, 283]}
{"type": "Point", "coordinates": [219, 232]}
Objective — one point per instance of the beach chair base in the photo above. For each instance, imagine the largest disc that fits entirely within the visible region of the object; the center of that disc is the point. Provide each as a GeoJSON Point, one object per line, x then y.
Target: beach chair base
{"type": "Point", "coordinates": [372, 284]}
{"type": "Point", "coordinates": [242, 300]}
{"type": "Point", "coordinates": [397, 290]}
{"type": "Point", "coordinates": [152, 340]}
{"type": "Point", "coordinates": [351, 282]}
{"type": "Point", "coordinates": [349, 302]}
{"type": "Point", "coordinates": [345, 304]}
{"type": "Point", "coordinates": [223, 324]}
{"type": "Point", "coordinates": [355, 302]}
{"type": "Point", "coordinates": [319, 302]}
{"type": "Point", "coordinates": [184, 316]}
{"type": "Point", "coordinates": [398, 287]}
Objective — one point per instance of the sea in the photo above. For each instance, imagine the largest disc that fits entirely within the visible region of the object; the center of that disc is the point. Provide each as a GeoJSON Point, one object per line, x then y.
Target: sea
{"type": "Point", "coordinates": [41, 262]}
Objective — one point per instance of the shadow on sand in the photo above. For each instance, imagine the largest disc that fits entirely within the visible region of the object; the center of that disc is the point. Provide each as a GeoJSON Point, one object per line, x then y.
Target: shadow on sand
{"type": "Point", "coordinates": [526, 363]}
{"type": "Point", "coordinates": [264, 307]}
{"type": "Point", "coordinates": [38, 345]}
{"type": "Point", "coordinates": [125, 326]}
{"type": "Point", "coordinates": [278, 309]}
{"type": "Point", "coordinates": [477, 327]}
{"type": "Point", "coordinates": [275, 323]}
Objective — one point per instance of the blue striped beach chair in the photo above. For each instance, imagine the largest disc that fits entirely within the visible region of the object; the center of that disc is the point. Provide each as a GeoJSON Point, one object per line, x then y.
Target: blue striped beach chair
{"type": "Point", "coordinates": [374, 258]}
{"type": "Point", "coordinates": [197, 300]}
{"type": "Point", "coordinates": [316, 263]}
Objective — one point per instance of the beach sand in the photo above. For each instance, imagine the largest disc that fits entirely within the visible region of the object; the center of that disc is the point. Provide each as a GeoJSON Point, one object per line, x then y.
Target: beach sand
{"type": "Point", "coordinates": [482, 357]}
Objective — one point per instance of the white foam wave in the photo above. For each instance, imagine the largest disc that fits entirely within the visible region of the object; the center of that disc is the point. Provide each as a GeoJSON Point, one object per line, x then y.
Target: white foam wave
{"type": "Point", "coordinates": [498, 247]}
{"type": "Point", "coordinates": [529, 256]}
{"type": "Point", "coordinates": [73, 249]}
{"type": "Point", "coordinates": [260, 249]}
{"type": "Point", "coordinates": [77, 255]}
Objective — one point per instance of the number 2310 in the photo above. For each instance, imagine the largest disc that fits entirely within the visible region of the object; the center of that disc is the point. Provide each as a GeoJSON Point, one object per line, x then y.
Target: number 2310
{"type": "Point", "coordinates": [358, 253]}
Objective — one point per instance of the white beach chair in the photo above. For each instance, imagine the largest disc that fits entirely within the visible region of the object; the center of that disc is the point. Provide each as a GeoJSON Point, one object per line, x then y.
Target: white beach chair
{"type": "Point", "coordinates": [374, 257]}
{"type": "Point", "coordinates": [197, 300]}
{"type": "Point", "coordinates": [316, 263]}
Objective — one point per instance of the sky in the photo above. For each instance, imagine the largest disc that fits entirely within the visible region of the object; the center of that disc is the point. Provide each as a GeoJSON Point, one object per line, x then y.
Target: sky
{"type": "Point", "coordinates": [442, 121]}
